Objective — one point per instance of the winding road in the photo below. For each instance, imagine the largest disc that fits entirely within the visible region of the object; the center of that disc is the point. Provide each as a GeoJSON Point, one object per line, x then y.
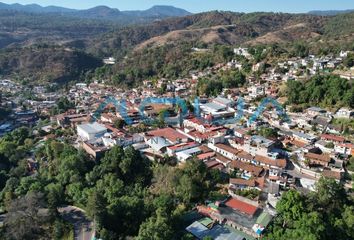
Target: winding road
{"type": "Point", "coordinates": [83, 227]}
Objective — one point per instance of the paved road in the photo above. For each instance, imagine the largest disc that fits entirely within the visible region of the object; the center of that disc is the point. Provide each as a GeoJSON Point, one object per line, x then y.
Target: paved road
{"type": "Point", "coordinates": [83, 227]}
{"type": "Point", "coordinates": [295, 173]}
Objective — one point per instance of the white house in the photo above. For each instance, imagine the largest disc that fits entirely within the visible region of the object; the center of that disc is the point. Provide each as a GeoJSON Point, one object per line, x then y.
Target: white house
{"type": "Point", "coordinates": [242, 52]}
{"type": "Point", "coordinates": [345, 113]}
{"type": "Point", "coordinates": [256, 91]}
{"type": "Point", "coordinates": [184, 155]}
{"type": "Point", "coordinates": [109, 61]}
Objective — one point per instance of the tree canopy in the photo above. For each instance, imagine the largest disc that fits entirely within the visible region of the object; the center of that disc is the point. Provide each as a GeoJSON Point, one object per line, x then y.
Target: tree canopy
{"type": "Point", "coordinates": [326, 213]}
{"type": "Point", "coordinates": [326, 91]}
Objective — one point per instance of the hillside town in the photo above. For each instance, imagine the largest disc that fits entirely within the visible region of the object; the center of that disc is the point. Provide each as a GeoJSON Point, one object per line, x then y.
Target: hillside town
{"type": "Point", "coordinates": [261, 146]}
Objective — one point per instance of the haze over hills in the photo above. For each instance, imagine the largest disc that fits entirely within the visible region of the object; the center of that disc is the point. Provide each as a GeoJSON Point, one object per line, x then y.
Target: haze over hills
{"type": "Point", "coordinates": [101, 12]}
{"type": "Point", "coordinates": [330, 12]}
{"type": "Point", "coordinates": [35, 8]}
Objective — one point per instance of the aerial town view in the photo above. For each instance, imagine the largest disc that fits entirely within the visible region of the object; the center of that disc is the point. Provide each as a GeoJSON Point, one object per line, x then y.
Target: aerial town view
{"type": "Point", "coordinates": [177, 120]}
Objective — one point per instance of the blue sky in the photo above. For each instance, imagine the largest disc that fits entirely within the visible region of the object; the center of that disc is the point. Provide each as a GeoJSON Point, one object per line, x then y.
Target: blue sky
{"type": "Point", "coordinates": [205, 5]}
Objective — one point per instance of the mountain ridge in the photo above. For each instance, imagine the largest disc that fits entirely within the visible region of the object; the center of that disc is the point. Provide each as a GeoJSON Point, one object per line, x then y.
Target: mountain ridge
{"type": "Point", "coordinates": [101, 11]}
{"type": "Point", "coordinates": [168, 40]}
{"type": "Point", "coordinates": [329, 12]}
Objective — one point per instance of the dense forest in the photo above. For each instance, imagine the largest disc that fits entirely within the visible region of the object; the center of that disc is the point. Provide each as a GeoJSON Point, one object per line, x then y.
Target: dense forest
{"type": "Point", "coordinates": [326, 91]}
{"type": "Point", "coordinates": [46, 63]}
{"type": "Point", "coordinates": [124, 193]}
{"type": "Point", "coordinates": [327, 213]}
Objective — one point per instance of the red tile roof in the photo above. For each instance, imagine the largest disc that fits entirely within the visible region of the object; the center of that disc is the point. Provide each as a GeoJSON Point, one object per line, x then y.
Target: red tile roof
{"type": "Point", "coordinates": [240, 181]}
{"type": "Point", "coordinates": [332, 137]}
{"type": "Point", "coordinates": [203, 136]}
{"type": "Point", "coordinates": [227, 148]}
{"type": "Point", "coordinates": [245, 155]}
{"type": "Point", "coordinates": [205, 149]}
{"type": "Point", "coordinates": [272, 162]}
{"type": "Point", "coordinates": [332, 174]}
{"type": "Point", "coordinates": [346, 145]}
{"type": "Point", "coordinates": [318, 157]}
{"type": "Point", "coordinates": [211, 164]}
{"type": "Point", "coordinates": [198, 121]}
{"type": "Point", "coordinates": [241, 206]}
{"type": "Point", "coordinates": [255, 170]}
{"type": "Point", "coordinates": [206, 155]}
{"type": "Point", "coordinates": [222, 159]}
{"type": "Point", "coordinates": [168, 133]}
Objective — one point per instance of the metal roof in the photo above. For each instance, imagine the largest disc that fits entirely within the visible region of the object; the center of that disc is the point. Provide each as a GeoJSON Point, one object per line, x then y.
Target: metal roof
{"type": "Point", "coordinates": [92, 128]}
{"type": "Point", "coordinates": [218, 232]}
{"type": "Point", "coordinates": [264, 219]}
{"type": "Point", "coordinates": [213, 106]}
{"type": "Point", "coordinates": [197, 229]}
{"type": "Point", "coordinates": [223, 100]}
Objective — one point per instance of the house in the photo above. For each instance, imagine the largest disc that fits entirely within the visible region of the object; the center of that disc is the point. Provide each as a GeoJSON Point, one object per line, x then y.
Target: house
{"type": "Point", "coordinates": [256, 91]}
{"type": "Point", "coordinates": [247, 207]}
{"type": "Point", "coordinates": [344, 113]}
{"type": "Point", "coordinates": [244, 157]}
{"type": "Point", "coordinates": [242, 52]}
{"type": "Point", "coordinates": [90, 131]}
{"type": "Point", "coordinates": [223, 160]}
{"type": "Point", "coordinates": [332, 138]}
{"type": "Point", "coordinates": [71, 119]}
{"type": "Point", "coordinates": [239, 213]}
{"type": "Point", "coordinates": [216, 110]}
{"type": "Point", "coordinates": [95, 148]}
{"type": "Point", "coordinates": [344, 148]}
{"type": "Point", "coordinates": [215, 133]}
{"type": "Point", "coordinates": [26, 117]}
{"type": "Point", "coordinates": [240, 132]}
{"type": "Point", "coordinates": [318, 159]}
{"type": "Point", "coordinates": [269, 162]}
{"type": "Point", "coordinates": [249, 170]}
{"type": "Point", "coordinates": [224, 101]}
{"type": "Point", "coordinates": [173, 149]}
{"type": "Point", "coordinates": [184, 155]}
{"type": "Point", "coordinates": [196, 124]}
{"type": "Point", "coordinates": [158, 144]}
{"type": "Point", "coordinates": [315, 111]}
{"type": "Point", "coordinates": [257, 145]}
{"type": "Point", "coordinates": [202, 229]}
{"type": "Point", "coordinates": [108, 117]}
{"type": "Point", "coordinates": [335, 174]}
{"type": "Point", "coordinates": [170, 134]}
{"type": "Point", "coordinates": [343, 54]}
{"type": "Point", "coordinates": [225, 150]}
{"type": "Point", "coordinates": [303, 137]}
{"type": "Point", "coordinates": [275, 176]}
{"type": "Point", "coordinates": [109, 61]}
{"type": "Point", "coordinates": [323, 145]}
{"type": "Point", "coordinates": [239, 183]}
{"type": "Point", "coordinates": [320, 122]}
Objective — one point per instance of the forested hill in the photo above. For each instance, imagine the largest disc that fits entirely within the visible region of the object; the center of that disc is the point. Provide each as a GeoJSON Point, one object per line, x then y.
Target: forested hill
{"type": "Point", "coordinates": [102, 38]}
{"type": "Point", "coordinates": [214, 28]}
{"type": "Point", "coordinates": [230, 29]}
{"type": "Point", "coordinates": [23, 29]}
{"type": "Point", "coordinates": [46, 64]}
